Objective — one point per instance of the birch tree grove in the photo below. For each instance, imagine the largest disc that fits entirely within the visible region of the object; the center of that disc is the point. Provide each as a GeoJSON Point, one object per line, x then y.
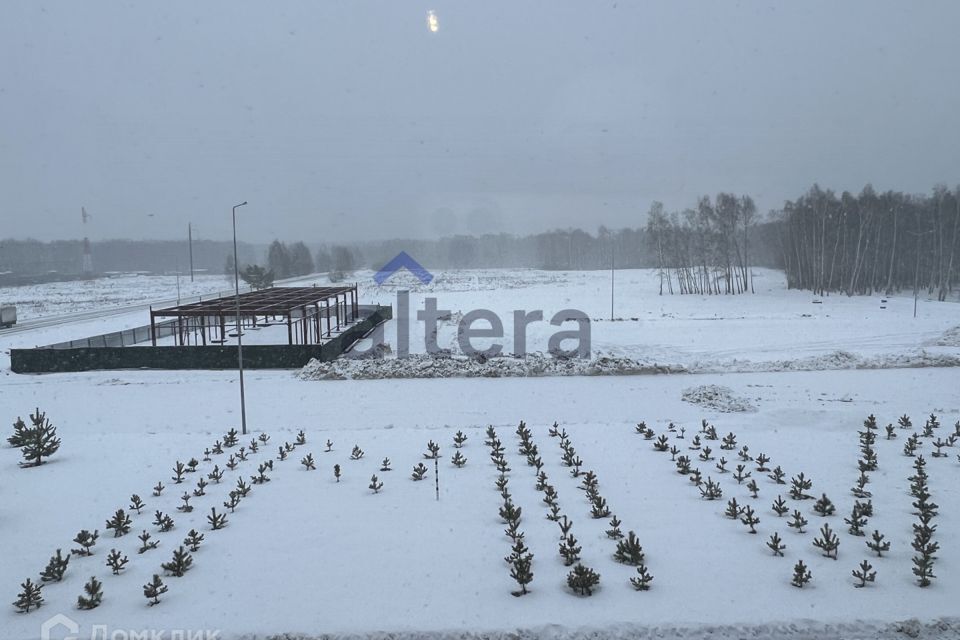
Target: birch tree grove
{"type": "Point", "coordinates": [704, 250]}
{"type": "Point", "coordinates": [867, 243]}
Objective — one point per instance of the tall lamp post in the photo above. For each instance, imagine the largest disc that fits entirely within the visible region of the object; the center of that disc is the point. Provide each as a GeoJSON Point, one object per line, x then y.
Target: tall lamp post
{"type": "Point", "coordinates": [236, 284]}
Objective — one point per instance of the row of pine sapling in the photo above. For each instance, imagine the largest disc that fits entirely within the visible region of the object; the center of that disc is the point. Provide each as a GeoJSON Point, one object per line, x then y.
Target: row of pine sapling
{"type": "Point", "coordinates": [520, 558]}
{"type": "Point", "coordinates": [121, 524]}
{"type": "Point", "coordinates": [628, 550]}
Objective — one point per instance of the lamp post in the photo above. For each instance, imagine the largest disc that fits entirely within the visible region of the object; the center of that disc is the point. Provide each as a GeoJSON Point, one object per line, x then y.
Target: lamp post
{"type": "Point", "coordinates": [236, 284]}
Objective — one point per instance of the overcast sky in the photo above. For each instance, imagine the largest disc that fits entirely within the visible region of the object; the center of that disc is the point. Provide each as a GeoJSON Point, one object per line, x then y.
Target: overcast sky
{"type": "Point", "coordinates": [351, 120]}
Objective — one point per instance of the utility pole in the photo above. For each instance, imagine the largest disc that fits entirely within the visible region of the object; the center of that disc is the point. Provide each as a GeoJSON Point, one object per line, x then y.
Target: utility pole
{"type": "Point", "coordinates": [612, 269]}
{"type": "Point", "coordinates": [190, 243]}
{"type": "Point", "coordinates": [236, 284]}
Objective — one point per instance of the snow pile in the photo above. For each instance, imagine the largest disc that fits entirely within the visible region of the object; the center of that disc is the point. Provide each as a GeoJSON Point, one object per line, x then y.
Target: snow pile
{"type": "Point", "coordinates": [451, 366]}
{"type": "Point", "coordinates": [950, 338]}
{"type": "Point", "coordinates": [718, 398]}
{"type": "Point", "coordinates": [376, 367]}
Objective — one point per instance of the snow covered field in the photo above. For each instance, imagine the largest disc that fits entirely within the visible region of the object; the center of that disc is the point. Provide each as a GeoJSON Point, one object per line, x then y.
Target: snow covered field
{"type": "Point", "coordinates": [308, 556]}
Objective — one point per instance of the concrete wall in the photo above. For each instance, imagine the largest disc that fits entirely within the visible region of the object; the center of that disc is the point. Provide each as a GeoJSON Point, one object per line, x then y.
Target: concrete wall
{"type": "Point", "coordinates": [279, 356]}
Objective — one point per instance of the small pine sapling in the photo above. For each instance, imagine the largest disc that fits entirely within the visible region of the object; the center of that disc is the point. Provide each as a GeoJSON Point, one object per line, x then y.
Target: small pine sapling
{"type": "Point", "coordinates": [186, 507]}
{"type": "Point", "coordinates": [136, 504]}
{"type": "Point", "coordinates": [509, 512]}
{"type": "Point", "coordinates": [336, 472]}
{"type": "Point", "coordinates": [385, 465]}
{"type": "Point", "coordinates": [705, 454]}
{"type": "Point", "coordinates": [521, 570]}
{"type": "Point", "coordinates": [30, 596]}
{"type": "Point", "coordinates": [459, 439]}
{"type": "Point", "coordinates": [231, 438]}
{"type": "Point", "coordinates": [891, 432]}
{"type": "Point", "coordinates": [234, 500]}
{"type": "Point", "coordinates": [661, 443]}
{"type": "Point", "coordinates": [116, 561]}
{"type": "Point", "coordinates": [281, 454]}
{"type": "Point", "coordinates": [179, 564]}
{"type": "Point", "coordinates": [40, 441]}
{"type": "Point", "coordinates": [733, 509]}
{"type": "Point", "coordinates": [859, 489]}
{"type": "Point", "coordinates": [145, 543]}
{"type": "Point", "coordinates": [777, 475]}
{"type": "Point", "coordinates": [86, 540]}
{"type": "Point", "coordinates": [780, 507]}
{"type": "Point", "coordinates": [254, 446]}
{"type": "Point", "coordinates": [856, 522]}
{"type": "Point", "coordinates": [419, 471]}
{"type": "Point", "coordinates": [749, 518]}
{"type": "Point", "coordinates": [744, 454]}
{"type": "Point", "coordinates": [722, 465]}
{"type": "Point", "coordinates": [683, 465]}
{"type": "Point", "coordinates": [243, 488]}
{"type": "Point", "coordinates": [797, 521]}
{"type": "Point", "coordinates": [696, 478]}
{"type": "Point", "coordinates": [375, 484]}
{"type": "Point", "coordinates": [216, 520]}
{"type": "Point", "coordinates": [201, 489]}
{"type": "Point", "coordinates": [329, 445]}
{"type": "Point", "coordinates": [192, 465]}
{"type": "Point", "coordinates": [433, 450]}
{"type": "Point", "coordinates": [741, 474]}
{"type": "Point", "coordinates": [569, 550]}
{"type": "Point", "coordinates": [264, 438]}
{"type": "Point", "coordinates": [308, 463]}
{"type": "Point", "coordinates": [753, 488]}
{"type": "Point", "coordinates": [674, 450]}
{"type": "Point", "coordinates": [301, 437]}
{"type": "Point", "coordinates": [801, 575]}
{"type": "Point", "coordinates": [55, 568]}
{"type": "Point", "coordinates": [232, 462]}
{"type": "Point", "coordinates": [92, 594]}
{"type": "Point", "coordinates": [695, 443]}
{"type": "Point", "coordinates": [799, 484]}
{"type": "Point", "coordinates": [828, 542]}
{"type": "Point", "coordinates": [262, 476]}
{"type": "Point", "coordinates": [502, 465]}
{"type": "Point", "coordinates": [824, 507]}
{"type": "Point", "coordinates": [641, 582]}
{"type": "Point", "coordinates": [583, 580]}
{"type": "Point", "coordinates": [762, 461]}
{"type": "Point", "coordinates": [629, 550]}
{"type": "Point", "coordinates": [157, 490]}
{"type": "Point", "coordinates": [904, 422]}
{"type": "Point", "coordinates": [877, 543]}
{"type": "Point", "coordinates": [711, 490]}
{"type": "Point", "coordinates": [614, 532]}
{"type": "Point", "coordinates": [776, 544]}
{"type": "Point", "coordinates": [120, 523]}
{"type": "Point", "coordinates": [357, 453]}
{"type": "Point", "coordinates": [458, 459]}
{"type": "Point", "coordinates": [217, 448]}
{"type": "Point", "coordinates": [153, 590]}
{"type": "Point", "coordinates": [641, 428]}
{"type": "Point", "coordinates": [565, 525]}
{"type": "Point", "coordinates": [599, 509]}
{"type": "Point", "coordinates": [864, 573]}
{"type": "Point", "coordinates": [164, 521]}
{"type": "Point", "coordinates": [178, 470]}
{"type": "Point", "coordinates": [729, 442]}
{"type": "Point", "coordinates": [193, 540]}
{"type": "Point", "coordinates": [242, 454]}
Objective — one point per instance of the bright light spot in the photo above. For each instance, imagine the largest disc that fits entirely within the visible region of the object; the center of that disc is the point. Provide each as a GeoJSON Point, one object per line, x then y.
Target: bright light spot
{"type": "Point", "coordinates": [432, 23]}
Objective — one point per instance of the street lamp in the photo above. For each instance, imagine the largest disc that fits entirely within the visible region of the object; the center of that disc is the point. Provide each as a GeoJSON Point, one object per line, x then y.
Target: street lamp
{"type": "Point", "coordinates": [236, 284]}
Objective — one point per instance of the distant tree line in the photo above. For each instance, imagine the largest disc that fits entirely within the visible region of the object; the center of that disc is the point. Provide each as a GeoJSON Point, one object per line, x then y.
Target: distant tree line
{"type": "Point", "coordinates": [871, 242]}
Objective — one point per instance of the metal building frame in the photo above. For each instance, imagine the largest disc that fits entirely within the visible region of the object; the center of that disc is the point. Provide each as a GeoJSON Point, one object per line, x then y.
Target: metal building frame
{"type": "Point", "coordinates": [303, 309]}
